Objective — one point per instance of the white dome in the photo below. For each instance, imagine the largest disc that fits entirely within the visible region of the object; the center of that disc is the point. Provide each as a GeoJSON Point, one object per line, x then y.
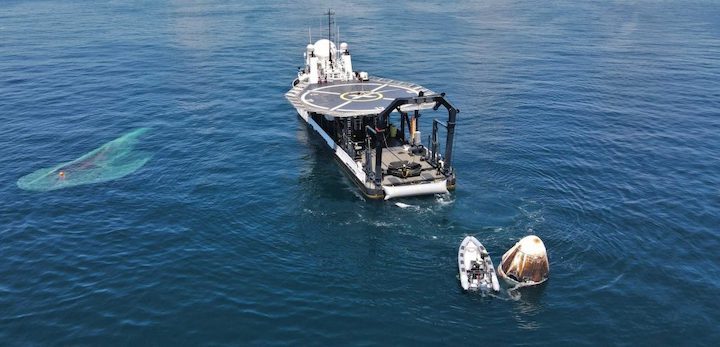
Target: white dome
{"type": "Point", "coordinates": [310, 47]}
{"type": "Point", "coordinates": [321, 48]}
{"type": "Point", "coordinates": [343, 46]}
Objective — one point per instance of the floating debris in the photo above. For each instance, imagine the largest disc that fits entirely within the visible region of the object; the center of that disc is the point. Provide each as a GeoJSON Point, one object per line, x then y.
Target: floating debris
{"type": "Point", "coordinates": [112, 160]}
{"type": "Point", "coordinates": [526, 263]}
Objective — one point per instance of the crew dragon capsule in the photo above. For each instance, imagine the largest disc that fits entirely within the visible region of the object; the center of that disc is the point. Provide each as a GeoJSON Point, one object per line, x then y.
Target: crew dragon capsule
{"type": "Point", "coordinates": [526, 263]}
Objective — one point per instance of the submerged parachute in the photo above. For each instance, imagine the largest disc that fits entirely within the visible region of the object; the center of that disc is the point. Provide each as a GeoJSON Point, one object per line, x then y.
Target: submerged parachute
{"type": "Point", "coordinates": [112, 160]}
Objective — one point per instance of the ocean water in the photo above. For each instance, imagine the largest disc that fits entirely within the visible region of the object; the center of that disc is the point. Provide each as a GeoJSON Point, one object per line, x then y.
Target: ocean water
{"type": "Point", "coordinates": [594, 125]}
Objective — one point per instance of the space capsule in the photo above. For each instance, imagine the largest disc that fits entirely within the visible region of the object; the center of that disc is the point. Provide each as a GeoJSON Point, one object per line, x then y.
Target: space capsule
{"type": "Point", "coordinates": [526, 263]}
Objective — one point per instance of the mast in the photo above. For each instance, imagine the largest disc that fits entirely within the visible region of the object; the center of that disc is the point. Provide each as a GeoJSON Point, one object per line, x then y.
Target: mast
{"type": "Point", "coordinates": [330, 13]}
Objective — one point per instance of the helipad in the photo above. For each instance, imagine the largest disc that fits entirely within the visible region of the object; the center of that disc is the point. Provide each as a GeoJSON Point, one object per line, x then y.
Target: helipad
{"type": "Point", "coordinates": [345, 99]}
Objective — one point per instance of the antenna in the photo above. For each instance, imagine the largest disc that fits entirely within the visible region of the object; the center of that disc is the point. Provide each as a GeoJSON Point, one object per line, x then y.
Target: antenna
{"type": "Point", "coordinates": [330, 13]}
{"type": "Point", "coordinates": [309, 35]}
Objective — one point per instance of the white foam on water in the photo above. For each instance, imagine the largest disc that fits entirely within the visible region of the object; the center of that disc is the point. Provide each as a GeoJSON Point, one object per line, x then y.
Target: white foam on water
{"type": "Point", "coordinates": [403, 205]}
{"type": "Point", "coordinates": [444, 199]}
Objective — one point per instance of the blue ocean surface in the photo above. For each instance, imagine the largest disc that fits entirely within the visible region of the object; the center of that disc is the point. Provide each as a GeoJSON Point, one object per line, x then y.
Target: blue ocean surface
{"type": "Point", "coordinates": [592, 124]}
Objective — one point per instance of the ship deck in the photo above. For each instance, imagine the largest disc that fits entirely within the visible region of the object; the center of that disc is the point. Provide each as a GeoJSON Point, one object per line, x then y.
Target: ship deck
{"type": "Point", "coordinates": [391, 154]}
{"type": "Point", "coordinates": [354, 98]}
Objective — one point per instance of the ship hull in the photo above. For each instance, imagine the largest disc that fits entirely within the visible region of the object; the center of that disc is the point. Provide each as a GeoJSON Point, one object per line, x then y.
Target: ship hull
{"type": "Point", "coordinates": [354, 171]}
{"type": "Point", "coordinates": [349, 167]}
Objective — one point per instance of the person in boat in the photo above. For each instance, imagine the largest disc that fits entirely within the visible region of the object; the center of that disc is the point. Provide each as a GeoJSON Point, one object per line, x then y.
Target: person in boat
{"type": "Point", "coordinates": [475, 270]}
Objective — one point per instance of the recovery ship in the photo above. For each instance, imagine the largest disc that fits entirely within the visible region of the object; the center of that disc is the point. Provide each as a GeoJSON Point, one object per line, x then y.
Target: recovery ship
{"type": "Point", "coordinates": [371, 124]}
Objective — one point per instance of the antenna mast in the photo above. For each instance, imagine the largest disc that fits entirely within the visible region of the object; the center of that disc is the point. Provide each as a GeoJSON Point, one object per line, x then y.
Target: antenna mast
{"type": "Point", "coordinates": [330, 13]}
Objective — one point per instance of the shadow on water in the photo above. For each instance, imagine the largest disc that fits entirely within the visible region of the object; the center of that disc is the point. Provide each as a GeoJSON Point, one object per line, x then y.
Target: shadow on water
{"type": "Point", "coordinates": [322, 176]}
{"type": "Point", "coordinates": [529, 295]}
{"type": "Point", "coordinates": [528, 305]}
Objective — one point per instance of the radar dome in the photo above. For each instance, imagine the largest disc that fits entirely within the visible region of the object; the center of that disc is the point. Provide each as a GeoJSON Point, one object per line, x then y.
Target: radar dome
{"type": "Point", "coordinates": [344, 46]}
{"type": "Point", "coordinates": [323, 48]}
{"type": "Point", "coordinates": [310, 47]}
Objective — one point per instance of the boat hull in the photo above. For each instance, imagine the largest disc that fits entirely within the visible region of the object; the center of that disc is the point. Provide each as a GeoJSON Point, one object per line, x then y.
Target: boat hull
{"type": "Point", "coordinates": [482, 278]}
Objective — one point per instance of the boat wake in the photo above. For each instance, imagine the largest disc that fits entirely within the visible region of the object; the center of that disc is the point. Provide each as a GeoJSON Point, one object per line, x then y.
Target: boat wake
{"type": "Point", "coordinates": [403, 205]}
{"type": "Point", "coordinates": [444, 199]}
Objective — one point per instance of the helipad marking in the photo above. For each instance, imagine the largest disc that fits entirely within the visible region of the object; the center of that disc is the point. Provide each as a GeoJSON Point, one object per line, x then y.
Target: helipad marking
{"type": "Point", "coordinates": [341, 105]}
{"type": "Point", "coordinates": [324, 92]}
{"type": "Point", "coordinates": [380, 87]}
{"type": "Point", "coordinates": [361, 96]}
{"type": "Point", "coordinates": [357, 97]}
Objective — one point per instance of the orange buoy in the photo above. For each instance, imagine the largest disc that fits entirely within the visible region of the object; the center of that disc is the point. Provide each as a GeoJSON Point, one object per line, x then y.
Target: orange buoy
{"type": "Point", "coordinates": [526, 263]}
